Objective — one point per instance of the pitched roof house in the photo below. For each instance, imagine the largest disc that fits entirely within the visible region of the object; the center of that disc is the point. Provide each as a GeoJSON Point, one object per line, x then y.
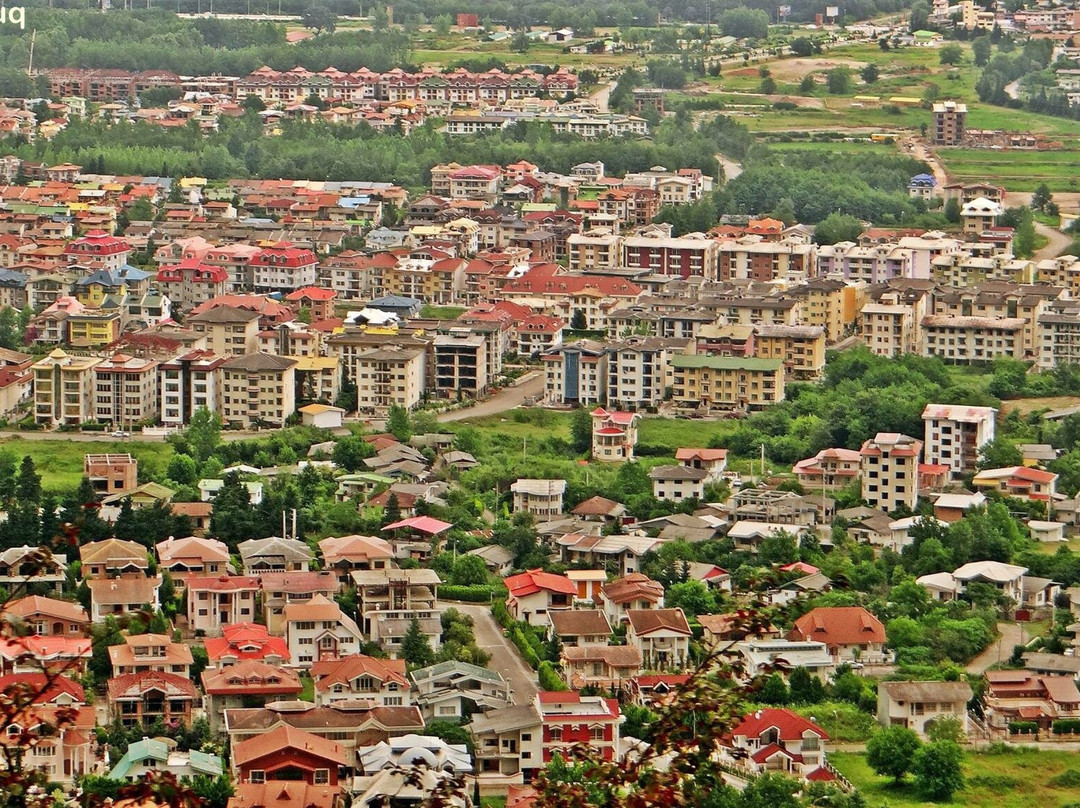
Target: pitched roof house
{"type": "Point", "coordinates": [359, 676]}
{"type": "Point", "coordinates": [250, 683]}
{"type": "Point", "coordinates": [849, 632]}
{"type": "Point", "coordinates": [534, 593]}
{"type": "Point", "coordinates": [246, 641]}
{"type": "Point", "coordinates": [287, 753]}
{"type": "Point", "coordinates": [778, 740]}
{"type": "Point", "coordinates": [662, 635]}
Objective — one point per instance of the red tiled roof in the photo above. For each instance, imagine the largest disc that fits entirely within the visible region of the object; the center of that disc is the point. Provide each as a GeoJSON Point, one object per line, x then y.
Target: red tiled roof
{"type": "Point", "coordinates": [789, 725]}
{"type": "Point", "coordinates": [35, 683]}
{"type": "Point", "coordinates": [328, 673]}
{"type": "Point", "coordinates": [838, 625]}
{"type": "Point", "coordinates": [533, 581]}
{"type": "Point", "coordinates": [283, 738]}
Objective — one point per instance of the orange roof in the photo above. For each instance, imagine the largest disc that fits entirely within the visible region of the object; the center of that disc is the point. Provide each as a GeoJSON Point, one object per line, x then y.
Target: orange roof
{"type": "Point", "coordinates": [328, 673]}
{"type": "Point", "coordinates": [838, 625]}
{"type": "Point", "coordinates": [533, 581]}
{"type": "Point", "coordinates": [286, 738]}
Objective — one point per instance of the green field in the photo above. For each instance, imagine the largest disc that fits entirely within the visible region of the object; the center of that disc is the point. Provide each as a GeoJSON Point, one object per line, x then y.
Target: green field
{"type": "Point", "coordinates": [833, 147]}
{"type": "Point", "coordinates": [60, 462]}
{"type": "Point", "coordinates": [1020, 778]}
{"type": "Point", "coordinates": [1017, 170]}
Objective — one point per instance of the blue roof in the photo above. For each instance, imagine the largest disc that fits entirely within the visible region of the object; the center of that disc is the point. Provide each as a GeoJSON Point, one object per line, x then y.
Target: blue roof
{"type": "Point", "coordinates": [923, 179]}
{"type": "Point", "coordinates": [395, 301]}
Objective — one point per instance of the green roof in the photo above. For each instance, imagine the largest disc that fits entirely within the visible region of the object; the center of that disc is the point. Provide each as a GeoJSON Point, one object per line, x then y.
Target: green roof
{"type": "Point", "coordinates": [153, 749]}
{"type": "Point", "coordinates": [441, 668]}
{"type": "Point", "coordinates": [724, 362]}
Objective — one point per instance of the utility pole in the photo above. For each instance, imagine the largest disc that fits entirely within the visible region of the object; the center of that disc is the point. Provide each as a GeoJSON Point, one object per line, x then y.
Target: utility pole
{"type": "Point", "coordinates": [30, 63]}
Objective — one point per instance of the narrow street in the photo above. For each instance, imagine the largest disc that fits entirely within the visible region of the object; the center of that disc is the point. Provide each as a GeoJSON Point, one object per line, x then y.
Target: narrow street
{"type": "Point", "coordinates": [504, 656]}
{"type": "Point", "coordinates": [1009, 635]}
{"type": "Point", "coordinates": [531, 385]}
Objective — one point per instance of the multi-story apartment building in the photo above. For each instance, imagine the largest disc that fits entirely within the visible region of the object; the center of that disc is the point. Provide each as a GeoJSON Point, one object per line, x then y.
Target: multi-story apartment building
{"type": "Point", "coordinates": [890, 471]}
{"type": "Point", "coordinates": [283, 267]}
{"type": "Point", "coordinates": [1059, 334]}
{"type": "Point", "coordinates": [950, 119]}
{"type": "Point", "coordinates": [891, 322]}
{"type": "Point", "coordinates": [64, 388]}
{"type": "Point", "coordinates": [1002, 300]}
{"type": "Point", "coordinates": [638, 371]}
{"type": "Point", "coordinates": [568, 718]}
{"type": "Point", "coordinates": [388, 375]}
{"type": "Point", "coordinates": [969, 340]}
{"type": "Point", "coordinates": [594, 249]}
{"type": "Point", "coordinates": [955, 435]}
{"type": "Point", "coordinates": [258, 389]}
{"type": "Point", "coordinates": [542, 498]}
{"type": "Point", "coordinates": [228, 330]}
{"type": "Point", "coordinates": [867, 264]}
{"type": "Point", "coordinates": [979, 215]}
{"type": "Point", "coordinates": [757, 258]}
{"type": "Point", "coordinates": [461, 364]}
{"type": "Point", "coordinates": [126, 390]}
{"type": "Point", "coordinates": [576, 373]}
{"type": "Point", "coordinates": [800, 347]}
{"type": "Point", "coordinates": [219, 601]}
{"type": "Point", "coordinates": [831, 304]}
{"type": "Point", "coordinates": [236, 260]}
{"type": "Point", "coordinates": [189, 383]}
{"type": "Point", "coordinates": [98, 250]}
{"type": "Point", "coordinates": [724, 382]}
{"type": "Point", "coordinates": [661, 253]}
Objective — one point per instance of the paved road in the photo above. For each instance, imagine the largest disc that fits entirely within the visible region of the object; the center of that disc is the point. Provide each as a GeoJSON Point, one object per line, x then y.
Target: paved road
{"type": "Point", "coordinates": [1010, 634]}
{"type": "Point", "coordinates": [531, 385]}
{"type": "Point", "coordinates": [504, 656]}
{"type": "Point", "coordinates": [731, 168]}
{"type": "Point", "coordinates": [600, 96]}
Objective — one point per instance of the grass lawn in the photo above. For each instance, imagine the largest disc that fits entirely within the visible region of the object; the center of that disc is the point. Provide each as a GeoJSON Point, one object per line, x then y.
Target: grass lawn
{"type": "Point", "coordinates": [492, 802]}
{"type": "Point", "coordinates": [442, 312]}
{"type": "Point", "coordinates": [969, 375]}
{"type": "Point", "coordinates": [1051, 547]}
{"type": "Point", "coordinates": [60, 461]}
{"type": "Point", "coordinates": [1019, 778]}
{"type": "Point", "coordinates": [834, 147]}
{"type": "Point", "coordinates": [1017, 170]}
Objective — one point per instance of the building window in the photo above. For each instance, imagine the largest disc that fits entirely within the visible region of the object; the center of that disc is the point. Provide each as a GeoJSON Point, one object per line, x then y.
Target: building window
{"type": "Point", "coordinates": [322, 777]}
{"type": "Point", "coordinates": [258, 776]}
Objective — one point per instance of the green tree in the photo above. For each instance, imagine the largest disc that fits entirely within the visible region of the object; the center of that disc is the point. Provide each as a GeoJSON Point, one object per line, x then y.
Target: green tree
{"type": "Point", "coordinates": [350, 451]}
{"type": "Point", "coordinates": [319, 19]}
{"type": "Point", "coordinates": [891, 751]}
{"type": "Point", "coordinates": [347, 391]}
{"type": "Point", "coordinates": [203, 433]}
{"type": "Point", "coordinates": [937, 770]}
{"type": "Point", "coordinates": [469, 570]}
{"type": "Point", "coordinates": [999, 453]}
{"type": "Point", "coordinates": [775, 691]}
{"type": "Point", "coordinates": [980, 48]}
{"type": "Point", "coordinates": [920, 15]}
{"type": "Point", "coordinates": [213, 792]}
{"type": "Point", "coordinates": [870, 73]}
{"type": "Point", "coordinates": [807, 85]}
{"type": "Point", "coordinates": [837, 227]}
{"type": "Point", "coordinates": [398, 423]}
{"type": "Point", "coordinates": [9, 328]}
{"type": "Point", "coordinates": [1039, 199]}
{"type": "Point", "coordinates": [951, 54]}
{"type": "Point", "coordinates": [838, 80]}
{"type": "Point", "coordinates": [952, 210]}
{"type": "Point", "coordinates": [581, 425]}
{"type": "Point", "coordinates": [801, 46]}
{"type": "Point", "coordinates": [767, 86]}
{"type": "Point", "coordinates": [415, 648]}
{"type": "Point", "coordinates": [578, 322]}
{"type": "Point", "coordinates": [744, 23]}
{"type": "Point", "coordinates": [182, 469]}
{"type": "Point", "coordinates": [692, 596]}
{"type": "Point", "coordinates": [805, 689]}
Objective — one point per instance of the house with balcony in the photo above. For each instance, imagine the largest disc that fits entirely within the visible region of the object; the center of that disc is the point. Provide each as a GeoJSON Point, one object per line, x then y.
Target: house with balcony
{"type": "Point", "coordinates": [246, 642]}
{"type": "Point", "coordinates": [140, 699]}
{"type": "Point", "coordinates": [35, 733]}
{"type": "Point", "coordinates": [289, 754]}
{"type": "Point", "coordinates": [662, 635]}
{"type": "Point", "coordinates": [636, 591]}
{"type": "Point", "coordinates": [850, 633]}
{"type": "Point", "coordinates": [542, 498]}
{"type": "Point", "coordinates": [389, 600]}
{"type": "Point", "coordinates": [534, 594]}
{"type": "Point", "coordinates": [828, 470]}
{"type": "Point", "coordinates": [1021, 695]}
{"type": "Point", "coordinates": [580, 627]}
{"type": "Point", "coordinates": [347, 553]}
{"type": "Point", "coordinates": [361, 677]}
{"type": "Point", "coordinates": [151, 756]}
{"type": "Point", "coordinates": [1020, 482]}
{"type": "Point", "coordinates": [568, 718]}
{"type": "Point", "coordinates": [918, 705]}
{"type": "Point", "coordinates": [779, 740]}
{"type": "Point", "coordinates": [317, 630]}
{"type": "Point", "coordinates": [450, 691]}
{"type": "Point", "coordinates": [279, 589]}
{"type": "Point", "coordinates": [150, 652]}
{"type": "Point", "coordinates": [218, 601]}
{"type": "Point", "coordinates": [113, 558]}
{"type": "Point", "coordinates": [614, 435]}
{"type": "Point", "coordinates": [247, 684]}
{"type": "Point", "coordinates": [600, 666]}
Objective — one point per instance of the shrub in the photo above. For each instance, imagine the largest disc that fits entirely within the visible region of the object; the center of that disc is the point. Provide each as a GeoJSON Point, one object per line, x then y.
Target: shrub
{"type": "Point", "coordinates": [1070, 778]}
{"type": "Point", "coordinates": [501, 615]}
{"type": "Point", "coordinates": [476, 593]}
{"type": "Point", "coordinates": [549, 677]}
{"type": "Point", "coordinates": [1064, 726]}
{"type": "Point", "coordinates": [518, 638]}
{"type": "Point", "coordinates": [1023, 727]}
{"type": "Point", "coordinates": [784, 106]}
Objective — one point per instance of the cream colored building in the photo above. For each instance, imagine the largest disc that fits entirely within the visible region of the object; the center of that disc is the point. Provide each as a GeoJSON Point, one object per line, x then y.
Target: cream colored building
{"type": "Point", "coordinates": [890, 471]}
{"type": "Point", "coordinates": [388, 375]}
{"type": "Point", "coordinates": [596, 249]}
{"type": "Point", "coordinates": [726, 382]}
{"type": "Point", "coordinates": [969, 340]}
{"type": "Point", "coordinates": [228, 330]}
{"type": "Point", "coordinates": [126, 390]}
{"type": "Point", "coordinates": [258, 389]}
{"type": "Point", "coordinates": [800, 347]}
{"type": "Point", "coordinates": [64, 388]}
{"type": "Point", "coordinates": [889, 327]}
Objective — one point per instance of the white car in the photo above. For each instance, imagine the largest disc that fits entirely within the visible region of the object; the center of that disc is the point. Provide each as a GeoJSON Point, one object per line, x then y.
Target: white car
{"type": "Point", "coordinates": [121, 434]}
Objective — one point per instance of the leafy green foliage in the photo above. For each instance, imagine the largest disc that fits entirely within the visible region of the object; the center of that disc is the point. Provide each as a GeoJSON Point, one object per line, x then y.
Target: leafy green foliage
{"type": "Point", "coordinates": [891, 752]}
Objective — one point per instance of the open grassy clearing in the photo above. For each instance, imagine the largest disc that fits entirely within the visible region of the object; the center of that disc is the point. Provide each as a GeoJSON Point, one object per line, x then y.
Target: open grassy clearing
{"type": "Point", "coordinates": [1030, 405]}
{"type": "Point", "coordinates": [60, 462]}
{"type": "Point", "coordinates": [1019, 778]}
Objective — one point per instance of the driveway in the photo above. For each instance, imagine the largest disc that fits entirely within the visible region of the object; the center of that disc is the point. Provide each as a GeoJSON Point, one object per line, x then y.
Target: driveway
{"type": "Point", "coordinates": [504, 656]}
{"type": "Point", "coordinates": [1009, 635]}
{"type": "Point", "coordinates": [531, 385]}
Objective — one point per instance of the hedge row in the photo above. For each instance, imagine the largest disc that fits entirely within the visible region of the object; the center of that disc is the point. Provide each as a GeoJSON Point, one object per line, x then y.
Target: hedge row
{"type": "Point", "coordinates": [1023, 727]}
{"type": "Point", "coordinates": [480, 593]}
{"type": "Point", "coordinates": [1065, 726]}
{"type": "Point", "coordinates": [549, 677]}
